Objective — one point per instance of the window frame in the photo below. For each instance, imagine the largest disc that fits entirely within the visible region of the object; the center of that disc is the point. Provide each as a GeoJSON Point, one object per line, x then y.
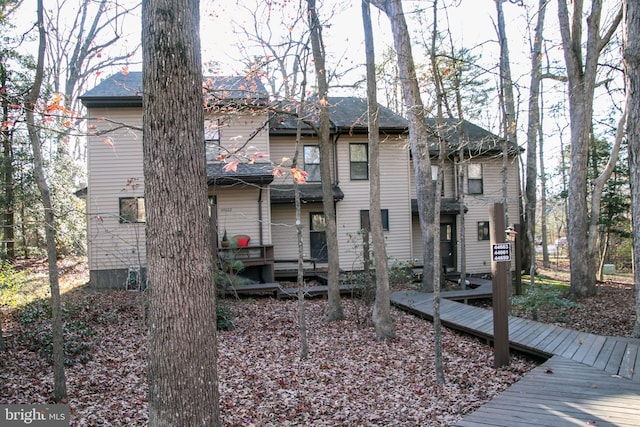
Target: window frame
{"type": "Point", "coordinates": [476, 181]}
{"type": "Point", "coordinates": [365, 222]}
{"type": "Point", "coordinates": [137, 217]}
{"type": "Point", "coordinates": [484, 231]}
{"type": "Point", "coordinates": [352, 163]}
{"type": "Point", "coordinates": [212, 144]}
{"type": "Point", "coordinates": [313, 175]}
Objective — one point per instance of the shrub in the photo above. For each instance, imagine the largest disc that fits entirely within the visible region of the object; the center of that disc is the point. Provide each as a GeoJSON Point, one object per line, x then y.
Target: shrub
{"type": "Point", "coordinates": [35, 318]}
{"type": "Point", "coordinates": [12, 285]}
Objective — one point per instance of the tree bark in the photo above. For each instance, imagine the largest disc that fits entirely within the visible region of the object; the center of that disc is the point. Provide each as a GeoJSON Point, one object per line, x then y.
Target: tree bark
{"type": "Point", "coordinates": [8, 234]}
{"type": "Point", "coordinates": [442, 155]}
{"type": "Point", "coordinates": [631, 55]}
{"type": "Point", "coordinates": [59, 379]}
{"type": "Point", "coordinates": [581, 73]}
{"type": "Point", "coordinates": [334, 309]}
{"type": "Point", "coordinates": [543, 189]}
{"type": "Point", "coordinates": [533, 126]}
{"type": "Point", "coordinates": [382, 321]}
{"type": "Point", "coordinates": [418, 133]}
{"type": "Point", "coordinates": [183, 382]}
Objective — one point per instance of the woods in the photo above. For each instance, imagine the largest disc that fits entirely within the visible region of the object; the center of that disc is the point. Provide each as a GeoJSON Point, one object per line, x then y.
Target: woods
{"type": "Point", "coordinates": [359, 139]}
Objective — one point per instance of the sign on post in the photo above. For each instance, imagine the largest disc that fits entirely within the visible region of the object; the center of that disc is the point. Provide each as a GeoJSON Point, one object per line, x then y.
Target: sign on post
{"type": "Point", "coordinates": [501, 252]}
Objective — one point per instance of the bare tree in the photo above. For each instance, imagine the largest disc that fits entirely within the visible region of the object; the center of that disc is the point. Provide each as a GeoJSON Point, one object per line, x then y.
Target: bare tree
{"type": "Point", "coordinates": [442, 155]}
{"type": "Point", "coordinates": [382, 307]}
{"type": "Point", "coordinates": [582, 67]}
{"type": "Point", "coordinates": [30, 105]}
{"type": "Point", "coordinates": [631, 52]}
{"type": "Point", "coordinates": [82, 42]}
{"type": "Point", "coordinates": [418, 133]}
{"type": "Point", "coordinates": [334, 309]}
{"type": "Point", "coordinates": [183, 380]}
{"type": "Point", "coordinates": [533, 125]}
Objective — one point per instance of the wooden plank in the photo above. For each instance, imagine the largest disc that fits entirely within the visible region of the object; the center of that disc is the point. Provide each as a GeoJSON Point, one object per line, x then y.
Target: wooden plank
{"type": "Point", "coordinates": [574, 345]}
{"type": "Point", "coordinates": [605, 353]}
{"type": "Point", "coordinates": [588, 354]}
{"type": "Point", "coordinates": [553, 340]}
{"type": "Point", "coordinates": [627, 366]}
{"type": "Point", "coordinates": [570, 340]}
{"type": "Point", "coordinates": [550, 331]}
{"type": "Point", "coordinates": [518, 326]}
{"type": "Point", "coordinates": [533, 332]}
{"type": "Point", "coordinates": [565, 397]}
{"type": "Point", "coordinates": [613, 364]}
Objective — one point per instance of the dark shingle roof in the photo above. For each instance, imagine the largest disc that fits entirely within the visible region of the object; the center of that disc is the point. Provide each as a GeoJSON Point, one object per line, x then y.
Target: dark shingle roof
{"type": "Point", "coordinates": [309, 193]}
{"type": "Point", "coordinates": [347, 114]}
{"type": "Point", "coordinates": [256, 173]}
{"type": "Point", "coordinates": [477, 140]}
{"type": "Point", "coordinates": [125, 90]}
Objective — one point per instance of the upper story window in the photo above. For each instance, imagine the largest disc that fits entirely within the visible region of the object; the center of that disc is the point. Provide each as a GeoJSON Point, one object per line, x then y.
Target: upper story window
{"type": "Point", "coordinates": [434, 179]}
{"type": "Point", "coordinates": [132, 210]}
{"type": "Point", "coordinates": [212, 138]}
{"type": "Point", "coordinates": [474, 178]}
{"type": "Point", "coordinates": [359, 161]}
{"type": "Point", "coordinates": [312, 162]}
{"type": "Point", "coordinates": [365, 223]}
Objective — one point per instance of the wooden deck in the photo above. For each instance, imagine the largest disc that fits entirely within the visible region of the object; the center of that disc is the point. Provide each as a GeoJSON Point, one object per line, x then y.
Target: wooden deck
{"type": "Point", "coordinates": [588, 380]}
{"type": "Point", "coordinates": [275, 290]}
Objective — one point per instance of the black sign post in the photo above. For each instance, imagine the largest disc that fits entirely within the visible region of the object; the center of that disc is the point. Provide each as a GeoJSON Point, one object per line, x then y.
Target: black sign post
{"type": "Point", "coordinates": [500, 255]}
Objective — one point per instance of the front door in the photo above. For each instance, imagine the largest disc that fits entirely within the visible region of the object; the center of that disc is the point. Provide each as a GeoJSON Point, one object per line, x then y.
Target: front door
{"type": "Point", "coordinates": [317, 236]}
{"type": "Point", "coordinates": [448, 246]}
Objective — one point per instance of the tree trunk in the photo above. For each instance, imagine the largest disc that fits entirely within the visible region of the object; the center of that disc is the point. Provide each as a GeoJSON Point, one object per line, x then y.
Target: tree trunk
{"type": "Point", "coordinates": [418, 133]}
{"type": "Point", "coordinates": [59, 379]}
{"type": "Point", "coordinates": [581, 77]}
{"type": "Point", "coordinates": [382, 321]}
{"type": "Point", "coordinates": [442, 155]}
{"type": "Point", "coordinates": [631, 49]}
{"type": "Point", "coordinates": [543, 189]}
{"type": "Point", "coordinates": [183, 382]}
{"type": "Point", "coordinates": [509, 119]}
{"type": "Point", "coordinates": [302, 318]}
{"type": "Point", "coordinates": [334, 310]}
{"type": "Point", "coordinates": [8, 235]}
{"type": "Point", "coordinates": [533, 126]}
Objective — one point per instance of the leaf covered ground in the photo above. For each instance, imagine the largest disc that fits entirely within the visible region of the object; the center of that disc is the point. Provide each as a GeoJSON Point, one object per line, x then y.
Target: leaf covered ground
{"type": "Point", "coordinates": [348, 378]}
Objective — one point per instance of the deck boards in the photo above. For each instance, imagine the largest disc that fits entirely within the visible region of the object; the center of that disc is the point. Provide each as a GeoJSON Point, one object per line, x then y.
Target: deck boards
{"type": "Point", "coordinates": [589, 379]}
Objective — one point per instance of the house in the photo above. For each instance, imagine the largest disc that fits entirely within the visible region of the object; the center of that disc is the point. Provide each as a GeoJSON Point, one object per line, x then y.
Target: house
{"type": "Point", "coordinates": [256, 200]}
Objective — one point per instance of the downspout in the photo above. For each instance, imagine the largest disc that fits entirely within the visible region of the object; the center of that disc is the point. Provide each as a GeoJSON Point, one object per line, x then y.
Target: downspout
{"type": "Point", "coordinates": [260, 225]}
{"type": "Point", "coordinates": [335, 158]}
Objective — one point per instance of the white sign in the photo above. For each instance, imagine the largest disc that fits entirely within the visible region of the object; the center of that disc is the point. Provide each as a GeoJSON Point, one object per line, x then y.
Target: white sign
{"type": "Point", "coordinates": [501, 252]}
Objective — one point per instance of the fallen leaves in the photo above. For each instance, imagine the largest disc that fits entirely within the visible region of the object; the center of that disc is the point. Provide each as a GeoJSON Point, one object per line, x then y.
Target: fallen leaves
{"type": "Point", "coordinates": [348, 378]}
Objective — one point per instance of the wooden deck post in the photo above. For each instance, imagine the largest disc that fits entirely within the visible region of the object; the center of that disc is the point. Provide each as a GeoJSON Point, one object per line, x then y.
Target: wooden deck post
{"type": "Point", "coordinates": [499, 261]}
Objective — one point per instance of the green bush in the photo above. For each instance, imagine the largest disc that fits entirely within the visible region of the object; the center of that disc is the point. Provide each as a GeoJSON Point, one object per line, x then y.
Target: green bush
{"type": "Point", "coordinates": [12, 285]}
{"type": "Point", "coordinates": [35, 318]}
{"type": "Point", "coordinates": [224, 316]}
{"type": "Point", "coordinates": [539, 297]}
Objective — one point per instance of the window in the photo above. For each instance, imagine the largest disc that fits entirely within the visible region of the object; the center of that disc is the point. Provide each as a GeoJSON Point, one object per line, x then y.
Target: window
{"type": "Point", "coordinates": [212, 138]}
{"type": "Point", "coordinates": [359, 161]}
{"type": "Point", "coordinates": [474, 173]}
{"type": "Point", "coordinates": [483, 230]}
{"type": "Point", "coordinates": [434, 179]}
{"type": "Point", "coordinates": [312, 162]}
{"type": "Point", "coordinates": [365, 224]}
{"type": "Point", "coordinates": [132, 209]}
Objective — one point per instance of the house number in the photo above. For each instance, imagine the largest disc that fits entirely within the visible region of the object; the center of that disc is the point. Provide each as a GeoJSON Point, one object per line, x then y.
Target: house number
{"type": "Point", "coordinates": [501, 252]}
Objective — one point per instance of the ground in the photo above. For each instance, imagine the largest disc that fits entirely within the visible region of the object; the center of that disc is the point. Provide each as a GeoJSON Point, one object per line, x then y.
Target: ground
{"type": "Point", "coordinates": [348, 378]}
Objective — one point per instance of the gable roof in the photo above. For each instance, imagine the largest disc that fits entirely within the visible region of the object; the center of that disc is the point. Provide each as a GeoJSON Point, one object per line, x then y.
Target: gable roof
{"type": "Point", "coordinates": [125, 90]}
{"type": "Point", "coordinates": [477, 140]}
{"type": "Point", "coordinates": [347, 115]}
